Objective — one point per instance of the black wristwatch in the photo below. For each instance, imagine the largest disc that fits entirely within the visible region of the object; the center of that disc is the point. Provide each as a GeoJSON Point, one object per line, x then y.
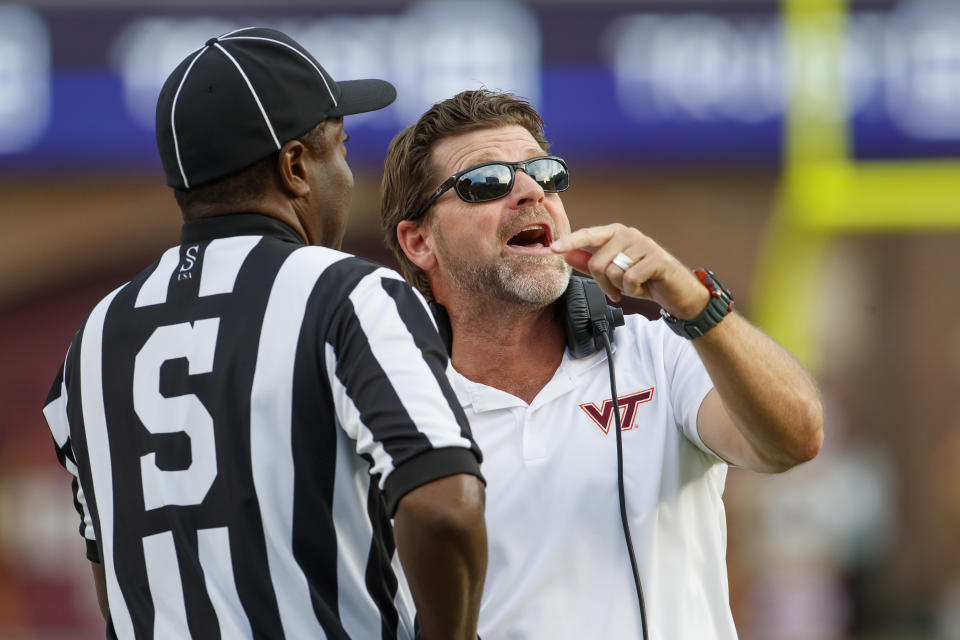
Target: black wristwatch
{"type": "Point", "coordinates": [721, 303]}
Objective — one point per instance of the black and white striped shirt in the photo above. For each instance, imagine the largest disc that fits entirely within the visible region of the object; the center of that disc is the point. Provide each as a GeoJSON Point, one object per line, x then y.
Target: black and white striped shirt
{"type": "Point", "coordinates": [241, 420]}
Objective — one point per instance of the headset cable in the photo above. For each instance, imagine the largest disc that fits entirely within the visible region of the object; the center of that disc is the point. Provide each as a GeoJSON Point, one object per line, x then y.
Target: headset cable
{"type": "Point", "coordinates": [602, 328]}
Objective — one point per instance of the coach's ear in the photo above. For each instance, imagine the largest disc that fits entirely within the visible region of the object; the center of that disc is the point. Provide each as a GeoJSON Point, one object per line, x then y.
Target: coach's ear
{"type": "Point", "coordinates": [417, 243]}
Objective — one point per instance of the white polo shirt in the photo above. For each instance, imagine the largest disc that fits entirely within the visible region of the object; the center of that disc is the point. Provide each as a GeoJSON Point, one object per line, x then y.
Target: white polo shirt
{"type": "Point", "coordinates": [558, 564]}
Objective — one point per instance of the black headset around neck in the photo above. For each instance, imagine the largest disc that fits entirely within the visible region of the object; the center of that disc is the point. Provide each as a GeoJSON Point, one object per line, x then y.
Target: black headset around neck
{"type": "Point", "coordinates": [585, 312]}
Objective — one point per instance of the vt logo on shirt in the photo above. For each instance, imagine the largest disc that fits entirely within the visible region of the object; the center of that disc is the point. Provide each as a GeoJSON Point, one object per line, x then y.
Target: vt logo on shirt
{"type": "Point", "coordinates": [628, 409]}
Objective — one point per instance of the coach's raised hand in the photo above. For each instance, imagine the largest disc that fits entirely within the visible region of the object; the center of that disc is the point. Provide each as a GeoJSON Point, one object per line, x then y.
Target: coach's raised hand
{"type": "Point", "coordinates": [624, 261]}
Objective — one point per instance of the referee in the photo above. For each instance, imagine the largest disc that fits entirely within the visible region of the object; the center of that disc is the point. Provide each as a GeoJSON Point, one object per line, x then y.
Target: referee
{"type": "Point", "coordinates": [244, 417]}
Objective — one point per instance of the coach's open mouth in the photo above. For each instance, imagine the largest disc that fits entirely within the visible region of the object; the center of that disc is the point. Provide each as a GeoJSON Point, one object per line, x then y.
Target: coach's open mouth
{"type": "Point", "coordinates": [534, 236]}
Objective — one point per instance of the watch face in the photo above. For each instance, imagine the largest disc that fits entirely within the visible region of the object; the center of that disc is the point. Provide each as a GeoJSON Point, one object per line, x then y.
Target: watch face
{"type": "Point", "coordinates": [710, 281]}
{"type": "Point", "coordinates": [721, 303]}
{"type": "Point", "coordinates": [707, 278]}
{"type": "Point", "coordinates": [717, 290]}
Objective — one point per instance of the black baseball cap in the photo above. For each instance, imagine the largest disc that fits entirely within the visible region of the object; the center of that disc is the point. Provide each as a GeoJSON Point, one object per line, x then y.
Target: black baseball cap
{"type": "Point", "coordinates": [242, 96]}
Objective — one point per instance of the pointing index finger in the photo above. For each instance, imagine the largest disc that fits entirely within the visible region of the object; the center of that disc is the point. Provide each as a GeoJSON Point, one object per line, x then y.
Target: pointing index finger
{"type": "Point", "coordinates": [592, 237]}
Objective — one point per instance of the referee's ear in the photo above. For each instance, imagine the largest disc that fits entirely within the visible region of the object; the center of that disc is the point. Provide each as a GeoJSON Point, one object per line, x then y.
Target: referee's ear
{"type": "Point", "coordinates": [293, 170]}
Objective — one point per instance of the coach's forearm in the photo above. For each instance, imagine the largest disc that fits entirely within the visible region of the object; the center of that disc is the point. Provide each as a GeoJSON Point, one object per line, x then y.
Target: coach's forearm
{"type": "Point", "coordinates": [767, 394]}
{"type": "Point", "coordinates": [442, 543]}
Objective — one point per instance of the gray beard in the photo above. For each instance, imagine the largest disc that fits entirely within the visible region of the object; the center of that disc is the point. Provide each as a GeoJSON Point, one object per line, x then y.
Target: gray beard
{"type": "Point", "coordinates": [526, 281]}
{"type": "Point", "coordinates": [531, 281]}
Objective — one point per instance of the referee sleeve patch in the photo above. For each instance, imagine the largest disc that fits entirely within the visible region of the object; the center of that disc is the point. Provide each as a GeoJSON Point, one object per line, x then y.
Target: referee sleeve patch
{"type": "Point", "coordinates": [427, 467]}
{"type": "Point", "coordinates": [55, 410]}
{"type": "Point", "coordinates": [55, 413]}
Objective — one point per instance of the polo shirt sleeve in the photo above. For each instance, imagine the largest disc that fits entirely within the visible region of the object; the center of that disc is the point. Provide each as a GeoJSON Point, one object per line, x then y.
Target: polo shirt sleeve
{"type": "Point", "coordinates": [392, 390]}
{"type": "Point", "coordinates": [55, 413]}
{"type": "Point", "coordinates": [687, 383]}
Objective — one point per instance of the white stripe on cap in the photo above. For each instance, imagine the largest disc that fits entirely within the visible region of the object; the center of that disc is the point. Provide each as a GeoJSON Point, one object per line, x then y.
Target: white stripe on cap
{"type": "Point", "coordinates": [253, 92]}
{"type": "Point", "coordinates": [230, 33]}
{"type": "Point", "coordinates": [173, 124]}
{"type": "Point", "coordinates": [295, 50]}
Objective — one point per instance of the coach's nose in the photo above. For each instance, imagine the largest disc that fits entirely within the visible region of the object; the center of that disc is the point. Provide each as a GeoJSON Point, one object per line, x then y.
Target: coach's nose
{"type": "Point", "coordinates": [526, 190]}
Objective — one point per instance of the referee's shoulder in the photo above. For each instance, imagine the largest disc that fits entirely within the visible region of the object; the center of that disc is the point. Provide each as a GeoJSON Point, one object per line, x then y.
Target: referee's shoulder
{"type": "Point", "coordinates": [346, 274]}
{"type": "Point", "coordinates": [350, 268]}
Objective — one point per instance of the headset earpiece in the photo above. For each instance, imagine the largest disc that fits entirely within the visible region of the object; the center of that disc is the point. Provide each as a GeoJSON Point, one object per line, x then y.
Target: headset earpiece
{"type": "Point", "coordinates": [583, 305]}
{"type": "Point", "coordinates": [576, 313]}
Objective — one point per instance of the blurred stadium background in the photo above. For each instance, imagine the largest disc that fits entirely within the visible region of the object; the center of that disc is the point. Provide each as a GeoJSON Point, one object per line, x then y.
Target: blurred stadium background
{"type": "Point", "coordinates": [807, 150]}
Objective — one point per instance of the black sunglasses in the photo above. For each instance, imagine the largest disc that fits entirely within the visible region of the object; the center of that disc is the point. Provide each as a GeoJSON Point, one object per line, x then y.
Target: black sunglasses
{"type": "Point", "coordinates": [494, 180]}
